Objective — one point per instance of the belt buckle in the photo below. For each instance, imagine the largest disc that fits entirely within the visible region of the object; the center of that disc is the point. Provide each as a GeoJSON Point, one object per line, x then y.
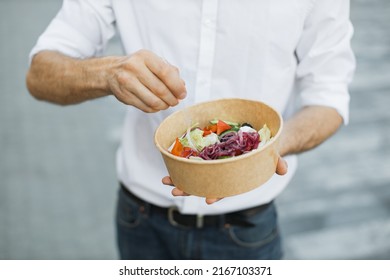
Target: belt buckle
{"type": "Point", "coordinates": [171, 219]}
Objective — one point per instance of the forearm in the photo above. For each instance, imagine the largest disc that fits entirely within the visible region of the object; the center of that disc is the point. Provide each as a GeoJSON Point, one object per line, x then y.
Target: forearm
{"type": "Point", "coordinates": [143, 79]}
{"type": "Point", "coordinates": [63, 80]}
{"type": "Point", "coordinates": [308, 128]}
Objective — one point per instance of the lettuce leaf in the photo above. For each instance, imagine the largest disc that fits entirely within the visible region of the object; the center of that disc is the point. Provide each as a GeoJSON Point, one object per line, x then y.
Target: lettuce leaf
{"type": "Point", "coordinates": [195, 140]}
{"type": "Point", "coordinates": [265, 135]}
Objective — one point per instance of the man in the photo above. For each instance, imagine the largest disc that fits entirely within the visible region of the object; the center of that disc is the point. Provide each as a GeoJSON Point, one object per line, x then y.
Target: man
{"type": "Point", "coordinates": [293, 55]}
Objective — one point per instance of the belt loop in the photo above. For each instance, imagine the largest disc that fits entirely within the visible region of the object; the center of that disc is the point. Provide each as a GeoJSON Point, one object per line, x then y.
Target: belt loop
{"type": "Point", "coordinates": [170, 215]}
{"type": "Point", "coordinates": [199, 221]}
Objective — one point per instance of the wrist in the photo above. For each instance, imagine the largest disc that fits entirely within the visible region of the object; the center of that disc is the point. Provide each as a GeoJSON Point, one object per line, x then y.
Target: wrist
{"type": "Point", "coordinates": [97, 73]}
{"type": "Point", "coordinates": [283, 148]}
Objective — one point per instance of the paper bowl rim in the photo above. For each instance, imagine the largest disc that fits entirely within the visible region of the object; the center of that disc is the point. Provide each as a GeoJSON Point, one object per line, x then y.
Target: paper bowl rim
{"type": "Point", "coordinates": [225, 160]}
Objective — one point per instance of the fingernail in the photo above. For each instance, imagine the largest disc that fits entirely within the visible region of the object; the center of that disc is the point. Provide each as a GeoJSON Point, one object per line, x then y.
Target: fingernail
{"type": "Point", "coordinates": [182, 95]}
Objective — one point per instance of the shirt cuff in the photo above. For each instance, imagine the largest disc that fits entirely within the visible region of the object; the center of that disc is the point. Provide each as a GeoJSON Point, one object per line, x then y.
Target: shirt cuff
{"type": "Point", "coordinates": [331, 95]}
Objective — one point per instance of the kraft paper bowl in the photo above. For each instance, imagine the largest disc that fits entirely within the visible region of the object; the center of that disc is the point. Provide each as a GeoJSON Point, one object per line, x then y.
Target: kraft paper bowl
{"type": "Point", "coordinates": [223, 177]}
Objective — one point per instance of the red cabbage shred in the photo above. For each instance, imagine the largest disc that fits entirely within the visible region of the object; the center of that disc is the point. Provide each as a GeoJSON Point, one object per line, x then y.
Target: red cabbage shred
{"type": "Point", "coordinates": [231, 144]}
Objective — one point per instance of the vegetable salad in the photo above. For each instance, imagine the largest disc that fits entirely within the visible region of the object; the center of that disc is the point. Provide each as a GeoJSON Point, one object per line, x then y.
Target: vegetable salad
{"type": "Point", "coordinates": [218, 140]}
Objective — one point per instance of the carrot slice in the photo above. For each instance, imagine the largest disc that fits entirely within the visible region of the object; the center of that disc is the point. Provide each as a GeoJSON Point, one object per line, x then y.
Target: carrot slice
{"type": "Point", "coordinates": [211, 127]}
{"type": "Point", "coordinates": [206, 132]}
{"type": "Point", "coordinates": [177, 148]}
{"type": "Point", "coordinates": [222, 126]}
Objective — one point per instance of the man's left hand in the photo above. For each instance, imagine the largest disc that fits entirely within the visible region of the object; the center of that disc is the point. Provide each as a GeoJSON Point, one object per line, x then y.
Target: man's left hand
{"type": "Point", "coordinates": [281, 169]}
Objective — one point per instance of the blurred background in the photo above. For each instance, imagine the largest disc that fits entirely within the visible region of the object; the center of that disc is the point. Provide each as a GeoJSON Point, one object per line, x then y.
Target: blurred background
{"type": "Point", "coordinates": [57, 164]}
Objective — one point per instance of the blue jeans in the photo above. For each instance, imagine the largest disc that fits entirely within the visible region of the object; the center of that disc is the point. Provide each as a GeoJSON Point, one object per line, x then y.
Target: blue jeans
{"type": "Point", "coordinates": [146, 234]}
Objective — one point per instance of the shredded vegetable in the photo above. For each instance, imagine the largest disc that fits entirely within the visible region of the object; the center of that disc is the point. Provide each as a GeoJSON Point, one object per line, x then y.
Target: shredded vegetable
{"type": "Point", "coordinates": [219, 140]}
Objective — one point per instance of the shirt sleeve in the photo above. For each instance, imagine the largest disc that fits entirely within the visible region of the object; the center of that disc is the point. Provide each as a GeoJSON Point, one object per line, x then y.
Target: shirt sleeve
{"type": "Point", "coordinates": [326, 63]}
{"type": "Point", "coordinates": [81, 29]}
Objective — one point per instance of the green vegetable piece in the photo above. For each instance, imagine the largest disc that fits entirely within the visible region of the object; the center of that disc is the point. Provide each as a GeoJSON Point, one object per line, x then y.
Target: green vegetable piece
{"type": "Point", "coordinates": [196, 141]}
{"type": "Point", "coordinates": [215, 121]}
{"type": "Point", "coordinates": [265, 135]}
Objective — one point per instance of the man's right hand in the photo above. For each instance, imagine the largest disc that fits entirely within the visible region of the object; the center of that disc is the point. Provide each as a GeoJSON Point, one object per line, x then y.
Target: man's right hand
{"type": "Point", "coordinates": [146, 81]}
{"type": "Point", "coordinates": [143, 79]}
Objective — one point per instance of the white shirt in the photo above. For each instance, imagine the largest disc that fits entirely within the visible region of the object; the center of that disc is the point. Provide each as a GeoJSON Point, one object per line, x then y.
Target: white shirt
{"type": "Point", "coordinates": [287, 53]}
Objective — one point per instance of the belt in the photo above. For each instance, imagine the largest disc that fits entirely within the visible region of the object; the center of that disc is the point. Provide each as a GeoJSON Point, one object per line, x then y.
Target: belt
{"type": "Point", "coordinates": [175, 218]}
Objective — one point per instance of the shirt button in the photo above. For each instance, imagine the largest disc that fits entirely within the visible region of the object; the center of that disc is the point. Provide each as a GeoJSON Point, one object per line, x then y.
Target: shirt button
{"type": "Point", "coordinates": [208, 22]}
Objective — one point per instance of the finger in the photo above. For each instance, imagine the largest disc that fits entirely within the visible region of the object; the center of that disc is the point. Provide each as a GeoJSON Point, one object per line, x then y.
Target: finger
{"type": "Point", "coordinates": [177, 192]}
{"type": "Point", "coordinates": [145, 95]}
{"type": "Point", "coordinates": [168, 74]}
{"type": "Point", "coordinates": [212, 200]}
{"type": "Point", "coordinates": [167, 181]}
{"type": "Point", "coordinates": [129, 98]}
{"type": "Point", "coordinates": [281, 166]}
{"type": "Point", "coordinates": [181, 80]}
{"type": "Point", "coordinates": [157, 87]}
